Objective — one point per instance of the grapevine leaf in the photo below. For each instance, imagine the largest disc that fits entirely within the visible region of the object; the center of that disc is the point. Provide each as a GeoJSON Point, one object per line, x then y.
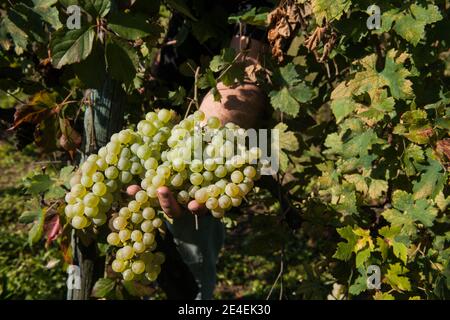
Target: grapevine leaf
{"type": "Point", "coordinates": [329, 9]}
{"type": "Point", "coordinates": [395, 278]}
{"type": "Point", "coordinates": [383, 296]}
{"type": "Point", "coordinates": [132, 27]}
{"type": "Point", "coordinates": [38, 183]}
{"type": "Point", "coordinates": [376, 188]}
{"type": "Point", "coordinates": [103, 287]}
{"type": "Point", "coordinates": [71, 46]}
{"type": "Point", "coordinates": [359, 286]}
{"type": "Point", "coordinates": [362, 256]}
{"type": "Point", "coordinates": [96, 8]}
{"type": "Point", "coordinates": [431, 181]}
{"type": "Point", "coordinates": [410, 24]}
{"type": "Point", "coordinates": [48, 13]}
{"type": "Point", "coordinates": [345, 249]}
{"type": "Point", "coordinates": [283, 101]}
{"type": "Point", "coordinates": [121, 60]}
{"type": "Point", "coordinates": [35, 233]}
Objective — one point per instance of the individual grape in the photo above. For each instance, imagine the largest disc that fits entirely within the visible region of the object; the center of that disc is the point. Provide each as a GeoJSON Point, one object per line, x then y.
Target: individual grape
{"type": "Point", "coordinates": [199, 115]}
{"type": "Point", "coordinates": [127, 252]}
{"type": "Point", "coordinates": [119, 223]}
{"type": "Point", "coordinates": [159, 258]}
{"type": "Point", "coordinates": [151, 163]}
{"type": "Point", "coordinates": [136, 235]}
{"type": "Point", "coordinates": [124, 164]}
{"type": "Point", "coordinates": [232, 190]}
{"type": "Point", "coordinates": [201, 195]}
{"type": "Point", "coordinates": [148, 238]}
{"type": "Point", "coordinates": [138, 267]}
{"type": "Point", "coordinates": [196, 178]}
{"type": "Point", "coordinates": [125, 213]}
{"type": "Point", "coordinates": [207, 176]}
{"type": "Point", "coordinates": [164, 115]}
{"type": "Point", "coordinates": [141, 197]}
{"type": "Point", "coordinates": [90, 200]}
{"type": "Point", "coordinates": [88, 168]}
{"type": "Point", "coordinates": [101, 164]}
{"type": "Point", "coordinates": [178, 164]}
{"type": "Point", "coordinates": [78, 209]}
{"type": "Point", "coordinates": [152, 191]}
{"type": "Point", "coordinates": [125, 136]}
{"type": "Point", "coordinates": [128, 275]}
{"type": "Point", "coordinates": [163, 171]}
{"type": "Point", "coordinates": [139, 247]}
{"type": "Point", "coordinates": [213, 123]}
{"type": "Point", "coordinates": [218, 213]}
{"type": "Point", "coordinates": [124, 235]}
{"type": "Point", "coordinates": [183, 197]}
{"type": "Point", "coordinates": [98, 177]}
{"type": "Point", "coordinates": [148, 213]}
{"type": "Point", "coordinates": [78, 190]}
{"type": "Point", "coordinates": [125, 177]}
{"type": "Point", "coordinates": [136, 217]}
{"type": "Point", "coordinates": [177, 180]}
{"type": "Point", "coordinates": [86, 181]}
{"type": "Point", "coordinates": [70, 198]}
{"type": "Point", "coordinates": [111, 159]}
{"type": "Point", "coordinates": [244, 189]}
{"type": "Point", "coordinates": [134, 206]}
{"type": "Point", "coordinates": [211, 203]}
{"type": "Point", "coordinates": [111, 173]}
{"type": "Point", "coordinates": [147, 226]}
{"type": "Point", "coordinates": [79, 222]}
{"type": "Point", "coordinates": [90, 212]}
{"type": "Point", "coordinates": [213, 191]}
{"type": "Point", "coordinates": [236, 177]}
{"type": "Point", "coordinates": [196, 165]}
{"type": "Point", "coordinates": [99, 189]}
{"type": "Point", "coordinates": [136, 168]}
{"type": "Point", "coordinates": [158, 181]}
{"type": "Point", "coordinates": [209, 164]}
{"type": "Point", "coordinates": [113, 239]}
{"type": "Point", "coordinates": [157, 222]}
{"type": "Point", "coordinates": [220, 171]}
{"type": "Point", "coordinates": [236, 202]}
{"type": "Point", "coordinates": [68, 210]}
{"type": "Point", "coordinates": [224, 202]}
{"type": "Point", "coordinates": [118, 265]}
{"type": "Point", "coordinates": [249, 172]}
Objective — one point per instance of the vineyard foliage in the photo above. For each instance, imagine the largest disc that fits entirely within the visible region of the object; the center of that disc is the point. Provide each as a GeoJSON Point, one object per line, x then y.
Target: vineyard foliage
{"type": "Point", "coordinates": [364, 118]}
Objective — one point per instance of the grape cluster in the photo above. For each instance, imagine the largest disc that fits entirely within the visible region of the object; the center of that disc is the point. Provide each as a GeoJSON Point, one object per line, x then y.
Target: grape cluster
{"type": "Point", "coordinates": [197, 162]}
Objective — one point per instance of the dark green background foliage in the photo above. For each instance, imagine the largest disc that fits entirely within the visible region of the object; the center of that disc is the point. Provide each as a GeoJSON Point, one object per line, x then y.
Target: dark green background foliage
{"type": "Point", "coordinates": [364, 119]}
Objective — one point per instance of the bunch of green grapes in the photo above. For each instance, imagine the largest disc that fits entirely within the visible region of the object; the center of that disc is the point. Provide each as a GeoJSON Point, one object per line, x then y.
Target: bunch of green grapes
{"type": "Point", "coordinates": [196, 160]}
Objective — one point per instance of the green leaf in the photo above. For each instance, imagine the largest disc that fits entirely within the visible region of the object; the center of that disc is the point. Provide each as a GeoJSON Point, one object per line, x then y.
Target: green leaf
{"type": "Point", "coordinates": [55, 192]}
{"type": "Point", "coordinates": [72, 46]}
{"type": "Point", "coordinates": [220, 62]}
{"type": "Point", "coordinates": [410, 24]}
{"type": "Point", "coordinates": [395, 278]}
{"type": "Point", "coordinates": [254, 16]}
{"type": "Point", "coordinates": [431, 181]}
{"type": "Point", "coordinates": [132, 27]}
{"type": "Point", "coordinates": [38, 183]}
{"type": "Point", "coordinates": [103, 287]}
{"type": "Point", "coordinates": [96, 8]}
{"type": "Point", "coordinates": [121, 60]}
{"type": "Point", "coordinates": [35, 233]}
{"type": "Point", "coordinates": [19, 37]}
{"type": "Point", "coordinates": [29, 216]}
{"type": "Point", "coordinates": [329, 9]}
{"type": "Point", "coordinates": [342, 108]}
{"type": "Point", "coordinates": [407, 212]}
{"type": "Point", "coordinates": [137, 289]}
{"type": "Point", "coordinates": [48, 13]}
{"type": "Point", "coordinates": [301, 92]}
{"type": "Point", "coordinates": [283, 101]}
{"type": "Point", "coordinates": [359, 286]}
{"type": "Point", "coordinates": [181, 7]}
{"type": "Point", "coordinates": [345, 249]}
{"type": "Point", "coordinates": [362, 256]}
